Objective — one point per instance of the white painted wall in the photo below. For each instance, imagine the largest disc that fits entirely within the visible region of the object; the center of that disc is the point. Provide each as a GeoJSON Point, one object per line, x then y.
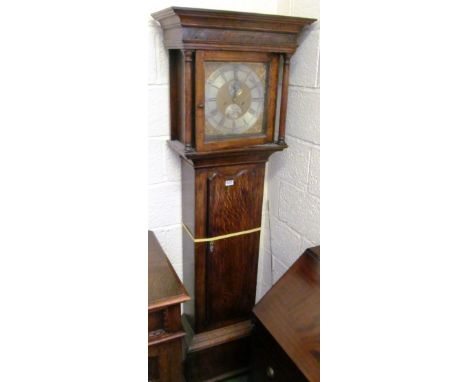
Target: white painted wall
{"type": "Point", "coordinates": [164, 165]}
{"type": "Point", "coordinates": [292, 186]}
{"type": "Point", "coordinates": [292, 216]}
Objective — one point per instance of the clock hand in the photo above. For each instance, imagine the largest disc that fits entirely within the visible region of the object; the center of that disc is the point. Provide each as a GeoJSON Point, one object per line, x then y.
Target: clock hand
{"type": "Point", "coordinates": [236, 91]}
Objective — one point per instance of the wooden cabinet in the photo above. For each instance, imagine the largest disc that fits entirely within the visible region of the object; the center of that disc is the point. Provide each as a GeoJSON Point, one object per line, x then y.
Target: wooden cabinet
{"type": "Point", "coordinates": [271, 362]}
{"type": "Point", "coordinates": [165, 333]}
{"type": "Point", "coordinates": [286, 339]}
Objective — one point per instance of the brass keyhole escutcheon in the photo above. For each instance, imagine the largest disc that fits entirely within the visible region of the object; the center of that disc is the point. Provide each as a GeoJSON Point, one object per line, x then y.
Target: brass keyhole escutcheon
{"type": "Point", "coordinates": [270, 372]}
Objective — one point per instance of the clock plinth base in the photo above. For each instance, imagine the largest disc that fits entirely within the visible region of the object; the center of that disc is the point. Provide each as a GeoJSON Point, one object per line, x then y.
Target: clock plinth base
{"type": "Point", "coordinates": [217, 354]}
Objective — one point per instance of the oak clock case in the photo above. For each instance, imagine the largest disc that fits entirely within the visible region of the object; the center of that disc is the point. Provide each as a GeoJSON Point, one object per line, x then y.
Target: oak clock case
{"type": "Point", "coordinates": [224, 72]}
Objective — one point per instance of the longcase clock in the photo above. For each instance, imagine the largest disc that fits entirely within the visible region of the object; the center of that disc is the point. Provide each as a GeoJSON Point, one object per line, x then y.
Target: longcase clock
{"type": "Point", "coordinates": [225, 70]}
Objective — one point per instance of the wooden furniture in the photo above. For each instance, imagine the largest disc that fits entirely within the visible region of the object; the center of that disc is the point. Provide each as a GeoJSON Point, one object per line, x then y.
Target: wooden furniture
{"type": "Point", "coordinates": [165, 333]}
{"type": "Point", "coordinates": [286, 337]}
{"type": "Point", "coordinates": [224, 73]}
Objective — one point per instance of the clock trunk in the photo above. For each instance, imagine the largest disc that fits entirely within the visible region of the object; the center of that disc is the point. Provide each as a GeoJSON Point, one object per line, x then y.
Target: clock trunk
{"type": "Point", "coordinates": [219, 201]}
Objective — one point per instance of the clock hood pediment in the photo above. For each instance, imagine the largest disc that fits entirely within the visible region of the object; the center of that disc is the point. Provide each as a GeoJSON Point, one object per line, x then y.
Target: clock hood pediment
{"type": "Point", "coordinates": [191, 28]}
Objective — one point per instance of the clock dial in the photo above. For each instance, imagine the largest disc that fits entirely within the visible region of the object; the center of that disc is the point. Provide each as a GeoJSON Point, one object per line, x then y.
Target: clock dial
{"type": "Point", "coordinates": [234, 99]}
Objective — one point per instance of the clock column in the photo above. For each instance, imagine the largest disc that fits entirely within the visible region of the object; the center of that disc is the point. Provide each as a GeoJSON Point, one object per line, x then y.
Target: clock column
{"type": "Point", "coordinates": [188, 106]}
{"type": "Point", "coordinates": [284, 100]}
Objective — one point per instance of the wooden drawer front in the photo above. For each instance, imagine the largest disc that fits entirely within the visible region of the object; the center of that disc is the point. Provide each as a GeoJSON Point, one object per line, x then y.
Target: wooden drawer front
{"type": "Point", "coordinates": [270, 362]}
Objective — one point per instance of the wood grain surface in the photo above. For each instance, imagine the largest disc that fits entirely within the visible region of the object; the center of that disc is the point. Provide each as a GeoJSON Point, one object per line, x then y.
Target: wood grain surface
{"type": "Point", "coordinates": [290, 312]}
{"type": "Point", "coordinates": [164, 287]}
{"type": "Point", "coordinates": [192, 28]}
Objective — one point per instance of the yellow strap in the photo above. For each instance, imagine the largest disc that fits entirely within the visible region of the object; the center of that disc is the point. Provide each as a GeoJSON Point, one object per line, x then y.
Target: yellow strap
{"type": "Point", "coordinates": [221, 236]}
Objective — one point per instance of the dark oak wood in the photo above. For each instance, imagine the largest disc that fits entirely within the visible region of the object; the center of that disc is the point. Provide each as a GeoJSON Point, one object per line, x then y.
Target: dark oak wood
{"type": "Point", "coordinates": [165, 362]}
{"type": "Point", "coordinates": [231, 280]}
{"type": "Point", "coordinates": [284, 99]}
{"type": "Point", "coordinates": [188, 86]}
{"type": "Point", "coordinates": [290, 314]}
{"type": "Point", "coordinates": [189, 28]}
{"type": "Point", "coordinates": [218, 363]}
{"type": "Point", "coordinates": [225, 275]}
{"type": "Point", "coordinates": [234, 208]}
{"type": "Point", "coordinates": [218, 354]}
{"type": "Point", "coordinates": [164, 287]}
{"type": "Point", "coordinates": [165, 332]}
{"type": "Point", "coordinates": [175, 92]}
{"type": "Point", "coordinates": [212, 159]}
{"type": "Point", "coordinates": [205, 340]}
{"type": "Point", "coordinates": [225, 271]}
{"type": "Point", "coordinates": [270, 361]}
{"type": "Point", "coordinates": [224, 36]}
{"type": "Point", "coordinates": [230, 265]}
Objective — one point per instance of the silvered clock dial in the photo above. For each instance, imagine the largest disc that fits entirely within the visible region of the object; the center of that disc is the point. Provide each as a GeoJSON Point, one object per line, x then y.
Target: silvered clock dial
{"type": "Point", "coordinates": [234, 99]}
